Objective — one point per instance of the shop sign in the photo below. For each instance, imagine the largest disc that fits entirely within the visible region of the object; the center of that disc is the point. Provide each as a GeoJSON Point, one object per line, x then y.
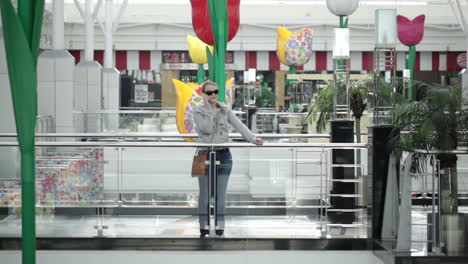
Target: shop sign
{"type": "Point", "coordinates": [461, 60]}
{"type": "Point", "coordinates": [190, 66]}
{"type": "Point", "coordinates": [184, 57]}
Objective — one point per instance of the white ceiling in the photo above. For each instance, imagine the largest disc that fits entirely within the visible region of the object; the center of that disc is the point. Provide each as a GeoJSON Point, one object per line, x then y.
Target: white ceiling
{"type": "Point", "coordinates": [164, 24]}
{"type": "Point", "coordinates": [274, 12]}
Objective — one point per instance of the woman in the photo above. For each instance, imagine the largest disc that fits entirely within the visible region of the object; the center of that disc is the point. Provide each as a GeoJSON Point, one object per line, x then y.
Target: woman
{"type": "Point", "coordinates": [212, 119]}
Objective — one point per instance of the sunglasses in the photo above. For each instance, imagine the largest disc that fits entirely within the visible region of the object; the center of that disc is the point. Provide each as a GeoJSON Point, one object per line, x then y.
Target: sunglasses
{"type": "Point", "coordinates": [211, 92]}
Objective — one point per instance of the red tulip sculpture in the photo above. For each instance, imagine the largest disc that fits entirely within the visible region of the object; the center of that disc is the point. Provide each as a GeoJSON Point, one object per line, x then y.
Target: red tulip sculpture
{"type": "Point", "coordinates": [410, 33]}
{"type": "Point", "coordinates": [216, 22]}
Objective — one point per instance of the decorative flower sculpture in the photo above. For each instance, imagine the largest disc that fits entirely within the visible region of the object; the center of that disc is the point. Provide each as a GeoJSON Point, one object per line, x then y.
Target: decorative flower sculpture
{"type": "Point", "coordinates": [294, 49]}
{"type": "Point", "coordinates": [211, 19]}
{"type": "Point", "coordinates": [189, 96]}
{"type": "Point", "coordinates": [201, 19]}
{"type": "Point", "coordinates": [22, 35]}
{"type": "Point", "coordinates": [410, 33]}
{"type": "Point", "coordinates": [342, 8]}
{"type": "Point", "coordinates": [197, 52]}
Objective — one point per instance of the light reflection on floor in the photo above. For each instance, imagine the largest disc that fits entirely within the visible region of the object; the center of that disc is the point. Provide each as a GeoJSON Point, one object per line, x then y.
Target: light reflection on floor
{"type": "Point", "coordinates": [187, 227]}
{"type": "Point", "coordinates": [178, 227]}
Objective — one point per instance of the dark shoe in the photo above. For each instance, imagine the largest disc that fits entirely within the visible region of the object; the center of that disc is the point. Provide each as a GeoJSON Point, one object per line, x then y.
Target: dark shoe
{"type": "Point", "coordinates": [204, 233]}
{"type": "Point", "coordinates": [220, 233]}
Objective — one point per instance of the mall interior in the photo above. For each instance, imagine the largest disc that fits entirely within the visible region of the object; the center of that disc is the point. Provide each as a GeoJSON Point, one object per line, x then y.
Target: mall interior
{"type": "Point", "coordinates": [362, 106]}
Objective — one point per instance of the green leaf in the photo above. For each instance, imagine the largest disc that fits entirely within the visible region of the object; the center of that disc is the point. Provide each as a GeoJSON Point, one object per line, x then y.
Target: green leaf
{"type": "Point", "coordinates": [22, 73]}
{"type": "Point", "coordinates": [37, 27]}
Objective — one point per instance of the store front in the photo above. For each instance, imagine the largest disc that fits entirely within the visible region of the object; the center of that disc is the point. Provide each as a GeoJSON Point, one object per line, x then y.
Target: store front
{"type": "Point", "coordinates": [160, 67]}
{"type": "Point", "coordinates": [178, 65]}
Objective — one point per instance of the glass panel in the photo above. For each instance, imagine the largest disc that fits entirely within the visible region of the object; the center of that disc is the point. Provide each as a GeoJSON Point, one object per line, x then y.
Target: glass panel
{"type": "Point", "coordinates": [126, 121]}
{"type": "Point", "coordinates": [287, 193]}
{"type": "Point", "coordinates": [341, 43]}
{"type": "Point", "coordinates": [282, 192]}
{"type": "Point", "coordinates": [69, 186]}
{"type": "Point", "coordinates": [259, 192]}
{"type": "Point", "coordinates": [10, 192]}
{"type": "Point", "coordinates": [158, 194]}
{"type": "Point", "coordinates": [386, 28]}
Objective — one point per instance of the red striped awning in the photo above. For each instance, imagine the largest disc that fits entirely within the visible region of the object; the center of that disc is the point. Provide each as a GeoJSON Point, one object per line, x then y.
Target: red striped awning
{"type": "Point", "coordinates": [268, 60]}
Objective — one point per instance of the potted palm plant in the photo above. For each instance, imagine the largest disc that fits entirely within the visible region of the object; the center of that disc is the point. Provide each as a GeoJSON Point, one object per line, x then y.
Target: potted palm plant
{"type": "Point", "coordinates": [437, 122]}
{"type": "Point", "coordinates": [321, 112]}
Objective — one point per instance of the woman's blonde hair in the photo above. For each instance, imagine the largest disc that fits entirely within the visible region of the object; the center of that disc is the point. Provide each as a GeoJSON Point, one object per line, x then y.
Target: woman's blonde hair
{"type": "Point", "coordinates": [208, 82]}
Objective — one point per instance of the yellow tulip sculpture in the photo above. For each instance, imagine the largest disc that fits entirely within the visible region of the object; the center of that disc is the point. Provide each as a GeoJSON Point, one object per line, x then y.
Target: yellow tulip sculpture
{"type": "Point", "coordinates": [197, 52]}
{"type": "Point", "coordinates": [294, 49]}
{"type": "Point", "coordinates": [189, 96]}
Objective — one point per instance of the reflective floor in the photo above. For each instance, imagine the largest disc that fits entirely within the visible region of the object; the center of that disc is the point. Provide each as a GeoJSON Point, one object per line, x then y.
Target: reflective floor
{"type": "Point", "coordinates": [179, 227]}
{"type": "Point", "coordinates": [166, 226]}
{"type": "Point", "coordinates": [419, 229]}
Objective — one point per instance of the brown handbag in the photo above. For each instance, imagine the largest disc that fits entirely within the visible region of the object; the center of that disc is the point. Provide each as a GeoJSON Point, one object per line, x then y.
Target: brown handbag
{"type": "Point", "coordinates": [199, 164]}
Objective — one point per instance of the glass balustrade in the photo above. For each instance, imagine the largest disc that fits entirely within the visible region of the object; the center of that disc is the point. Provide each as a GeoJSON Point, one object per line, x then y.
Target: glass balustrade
{"type": "Point", "coordinates": [144, 189]}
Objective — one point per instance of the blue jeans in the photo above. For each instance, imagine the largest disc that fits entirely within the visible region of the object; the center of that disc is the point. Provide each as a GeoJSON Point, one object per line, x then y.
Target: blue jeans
{"type": "Point", "coordinates": [222, 172]}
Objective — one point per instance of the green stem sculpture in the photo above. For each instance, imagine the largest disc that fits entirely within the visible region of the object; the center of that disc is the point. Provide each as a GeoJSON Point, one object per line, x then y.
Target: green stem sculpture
{"type": "Point", "coordinates": [22, 33]}
{"type": "Point", "coordinates": [219, 25]}
{"type": "Point", "coordinates": [410, 65]}
{"type": "Point", "coordinates": [200, 74]}
{"type": "Point", "coordinates": [292, 69]}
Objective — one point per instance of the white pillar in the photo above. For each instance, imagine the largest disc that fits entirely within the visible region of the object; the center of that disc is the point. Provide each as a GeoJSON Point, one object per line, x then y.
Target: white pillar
{"type": "Point", "coordinates": [58, 38]}
{"type": "Point", "coordinates": [108, 62]}
{"type": "Point", "coordinates": [89, 31]}
{"type": "Point", "coordinates": [110, 76]}
{"type": "Point", "coordinates": [390, 217]}
{"type": "Point", "coordinates": [404, 224]}
{"type": "Point", "coordinates": [55, 79]}
{"type": "Point", "coordinates": [87, 96]}
{"type": "Point", "coordinates": [55, 88]}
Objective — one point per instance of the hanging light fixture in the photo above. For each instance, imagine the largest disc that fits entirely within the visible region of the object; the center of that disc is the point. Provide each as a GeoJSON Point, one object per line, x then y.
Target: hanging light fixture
{"type": "Point", "coordinates": [342, 7]}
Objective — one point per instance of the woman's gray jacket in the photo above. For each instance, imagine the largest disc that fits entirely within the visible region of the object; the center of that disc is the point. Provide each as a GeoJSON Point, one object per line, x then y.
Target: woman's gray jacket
{"type": "Point", "coordinates": [205, 121]}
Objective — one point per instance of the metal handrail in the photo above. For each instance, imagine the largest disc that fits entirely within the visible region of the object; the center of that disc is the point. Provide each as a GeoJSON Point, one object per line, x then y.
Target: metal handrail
{"type": "Point", "coordinates": [191, 145]}
{"type": "Point", "coordinates": [436, 151]}
{"type": "Point", "coordinates": [158, 135]}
